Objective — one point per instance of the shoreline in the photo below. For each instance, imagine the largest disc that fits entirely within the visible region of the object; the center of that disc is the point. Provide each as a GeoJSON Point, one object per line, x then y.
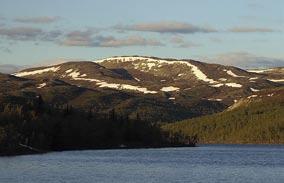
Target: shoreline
{"type": "Point", "coordinates": [82, 149]}
{"type": "Point", "coordinates": [128, 148]}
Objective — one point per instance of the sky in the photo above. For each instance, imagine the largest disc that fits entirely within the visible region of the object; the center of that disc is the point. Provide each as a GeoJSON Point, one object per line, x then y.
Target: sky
{"type": "Point", "coordinates": [244, 33]}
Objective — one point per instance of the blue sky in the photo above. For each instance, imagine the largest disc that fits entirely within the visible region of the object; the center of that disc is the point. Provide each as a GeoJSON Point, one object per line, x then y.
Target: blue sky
{"type": "Point", "coordinates": [243, 33]}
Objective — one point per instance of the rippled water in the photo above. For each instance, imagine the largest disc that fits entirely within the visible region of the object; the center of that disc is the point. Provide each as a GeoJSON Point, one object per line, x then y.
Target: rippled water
{"type": "Point", "coordinates": [210, 163]}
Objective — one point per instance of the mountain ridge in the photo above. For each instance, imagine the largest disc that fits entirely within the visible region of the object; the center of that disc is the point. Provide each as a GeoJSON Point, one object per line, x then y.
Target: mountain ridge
{"type": "Point", "coordinates": [193, 87]}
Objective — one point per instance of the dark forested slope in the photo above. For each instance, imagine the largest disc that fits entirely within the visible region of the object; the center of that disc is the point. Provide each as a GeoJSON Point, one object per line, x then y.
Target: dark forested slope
{"type": "Point", "coordinates": [257, 119]}
{"type": "Point", "coordinates": [31, 126]}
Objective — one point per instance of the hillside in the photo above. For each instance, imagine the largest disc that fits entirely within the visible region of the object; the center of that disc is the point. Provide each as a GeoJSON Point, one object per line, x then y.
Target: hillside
{"type": "Point", "coordinates": [123, 101]}
{"type": "Point", "coordinates": [159, 90]}
{"type": "Point", "coordinates": [272, 74]}
{"type": "Point", "coordinates": [29, 125]}
{"type": "Point", "coordinates": [57, 92]}
{"type": "Point", "coordinates": [258, 118]}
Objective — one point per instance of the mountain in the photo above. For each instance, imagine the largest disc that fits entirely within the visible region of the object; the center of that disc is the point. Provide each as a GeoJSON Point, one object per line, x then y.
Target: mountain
{"type": "Point", "coordinates": [124, 101]}
{"type": "Point", "coordinates": [272, 74]}
{"type": "Point", "coordinates": [157, 89]}
{"type": "Point", "coordinates": [30, 125]}
{"type": "Point", "coordinates": [258, 118]}
{"type": "Point", "coordinates": [9, 69]}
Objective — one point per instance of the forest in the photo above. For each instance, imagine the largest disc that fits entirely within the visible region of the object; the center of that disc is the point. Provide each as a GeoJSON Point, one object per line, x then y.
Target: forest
{"type": "Point", "coordinates": [33, 126]}
{"type": "Point", "coordinates": [259, 122]}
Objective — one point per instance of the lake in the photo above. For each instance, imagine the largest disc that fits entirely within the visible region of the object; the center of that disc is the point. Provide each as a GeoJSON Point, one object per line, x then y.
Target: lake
{"type": "Point", "coordinates": [207, 163]}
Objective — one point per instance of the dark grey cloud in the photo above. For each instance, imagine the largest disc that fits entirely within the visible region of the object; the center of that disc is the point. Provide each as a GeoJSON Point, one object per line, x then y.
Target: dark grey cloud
{"type": "Point", "coordinates": [246, 60]}
{"type": "Point", "coordinates": [28, 34]}
{"type": "Point", "coordinates": [166, 27]}
{"type": "Point", "coordinates": [78, 38]}
{"type": "Point", "coordinates": [88, 39]}
{"type": "Point", "coordinates": [37, 20]}
{"type": "Point", "coordinates": [128, 41]}
{"type": "Point", "coordinates": [51, 35]}
{"type": "Point", "coordinates": [20, 33]}
{"type": "Point", "coordinates": [180, 42]}
{"type": "Point", "coordinates": [250, 29]}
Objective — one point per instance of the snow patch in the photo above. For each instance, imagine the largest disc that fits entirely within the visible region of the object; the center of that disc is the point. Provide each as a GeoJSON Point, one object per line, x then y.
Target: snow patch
{"type": "Point", "coordinates": [215, 99]}
{"type": "Point", "coordinates": [259, 70]}
{"type": "Point", "coordinates": [69, 70]}
{"type": "Point", "coordinates": [27, 73]}
{"type": "Point", "coordinates": [150, 65]}
{"type": "Point", "coordinates": [223, 79]}
{"type": "Point", "coordinates": [231, 73]}
{"type": "Point", "coordinates": [253, 78]}
{"type": "Point", "coordinates": [74, 74]}
{"type": "Point", "coordinates": [254, 90]}
{"type": "Point", "coordinates": [234, 85]}
{"type": "Point", "coordinates": [41, 85]}
{"type": "Point", "coordinates": [125, 87]}
{"type": "Point", "coordinates": [252, 96]}
{"type": "Point", "coordinates": [103, 84]}
{"type": "Point", "coordinates": [137, 79]}
{"type": "Point", "coordinates": [217, 85]}
{"type": "Point", "coordinates": [276, 80]}
{"type": "Point", "coordinates": [182, 74]}
{"type": "Point", "coordinates": [169, 89]}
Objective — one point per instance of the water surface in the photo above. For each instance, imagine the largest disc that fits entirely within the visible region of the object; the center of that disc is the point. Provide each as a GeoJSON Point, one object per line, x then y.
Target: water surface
{"type": "Point", "coordinates": [208, 163]}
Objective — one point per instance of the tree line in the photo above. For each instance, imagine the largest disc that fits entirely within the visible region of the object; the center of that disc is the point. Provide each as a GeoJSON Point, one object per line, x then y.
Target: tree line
{"type": "Point", "coordinates": [35, 126]}
{"type": "Point", "coordinates": [260, 122]}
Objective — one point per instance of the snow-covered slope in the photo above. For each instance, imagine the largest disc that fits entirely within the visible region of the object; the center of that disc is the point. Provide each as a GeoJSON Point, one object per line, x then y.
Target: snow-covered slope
{"type": "Point", "coordinates": [146, 64]}
{"type": "Point", "coordinates": [178, 79]}
{"type": "Point", "coordinates": [273, 74]}
{"type": "Point", "coordinates": [176, 88]}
